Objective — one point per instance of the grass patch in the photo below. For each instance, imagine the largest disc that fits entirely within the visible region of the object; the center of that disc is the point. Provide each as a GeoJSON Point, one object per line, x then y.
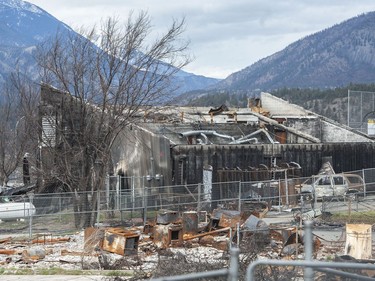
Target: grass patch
{"type": "Point", "coordinates": [60, 271]}
{"type": "Point", "coordinates": [14, 224]}
{"type": "Point", "coordinates": [367, 217]}
{"type": "Point", "coordinates": [57, 271]}
{"type": "Point", "coordinates": [39, 271]}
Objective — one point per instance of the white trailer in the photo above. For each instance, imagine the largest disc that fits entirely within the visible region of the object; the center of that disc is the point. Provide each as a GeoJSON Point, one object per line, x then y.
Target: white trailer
{"type": "Point", "coordinates": [16, 210]}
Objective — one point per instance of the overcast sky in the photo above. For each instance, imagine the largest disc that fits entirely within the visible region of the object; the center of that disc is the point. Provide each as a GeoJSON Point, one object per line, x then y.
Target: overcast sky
{"type": "Point", "coordinates": [225, 35]}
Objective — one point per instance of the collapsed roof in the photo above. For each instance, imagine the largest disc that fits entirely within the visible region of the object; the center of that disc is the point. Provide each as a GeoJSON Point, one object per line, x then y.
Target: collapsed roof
{"type": "Point", "coordinates": [266, 120]}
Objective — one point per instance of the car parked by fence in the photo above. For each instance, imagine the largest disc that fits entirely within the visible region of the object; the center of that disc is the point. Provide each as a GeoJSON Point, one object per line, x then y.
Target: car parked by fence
{"type": "Point", "coordinates": [332, 185]}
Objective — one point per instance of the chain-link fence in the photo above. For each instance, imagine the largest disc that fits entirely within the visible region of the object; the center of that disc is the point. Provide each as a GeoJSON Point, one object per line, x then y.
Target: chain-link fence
{"type": "Point", "coordinates": [136, 202]}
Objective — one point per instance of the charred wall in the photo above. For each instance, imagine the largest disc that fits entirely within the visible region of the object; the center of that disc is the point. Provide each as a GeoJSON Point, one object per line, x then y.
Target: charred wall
{"type": "Point", "coordinates": [143, 155]}
{"type": "Point", "coordinates": [188, 160]}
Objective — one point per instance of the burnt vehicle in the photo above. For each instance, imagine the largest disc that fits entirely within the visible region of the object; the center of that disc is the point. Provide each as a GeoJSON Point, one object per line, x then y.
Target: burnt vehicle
{"type": "Point", "coordinates": [332, 185]}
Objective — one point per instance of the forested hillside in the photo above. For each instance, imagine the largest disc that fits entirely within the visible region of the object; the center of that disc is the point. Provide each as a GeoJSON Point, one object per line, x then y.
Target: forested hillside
{"type": "Point", "coordinates": [333, 57]}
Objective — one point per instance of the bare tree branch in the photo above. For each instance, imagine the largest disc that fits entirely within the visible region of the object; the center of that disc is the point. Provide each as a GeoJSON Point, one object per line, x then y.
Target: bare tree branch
{"type": "Point", "coordinates": [103, 87]}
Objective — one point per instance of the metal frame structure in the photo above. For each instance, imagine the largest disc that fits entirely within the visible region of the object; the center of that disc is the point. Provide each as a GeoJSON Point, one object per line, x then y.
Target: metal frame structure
{"type": "Point", "coordinates": [358, 123]}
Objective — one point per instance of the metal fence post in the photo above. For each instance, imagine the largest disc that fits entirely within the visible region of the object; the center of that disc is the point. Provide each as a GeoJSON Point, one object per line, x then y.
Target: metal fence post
{"type": "Point", "coordinates": [233, 266]}
{"type": "Point", "coordinates": [145, 204]}
{"type": "Point", "coordinates": [286, 188]}
{"type": "Point", "coordinates": [280, 196]}
{"type": "Point", "coordinates": [308, 241]}
{"type": "Point", "coordinates": [118, 194]}
{"type": "Point", "coordinates": [199, 205]}
{"type": "Point", "coordinates": [31, 197]}
{"type": "Point", "coordinates": [364, 181]}
{"type": "Point", "coordinates": [239, 196]}
{"type": "Point", "coordinates": [238, 235]}
{"type": "Point", "coordinates": [98, 208]}
{"type": "Point", "coordinates": [107, 198]}
{"type": "Point", "coordinates": [60, 207]}
{"type": "Point", "coordinates": [133, 193]}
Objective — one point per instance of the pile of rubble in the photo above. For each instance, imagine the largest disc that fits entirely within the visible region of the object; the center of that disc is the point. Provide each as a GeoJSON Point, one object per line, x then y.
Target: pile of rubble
{"type": "Point", "coordinates": [191, 234]}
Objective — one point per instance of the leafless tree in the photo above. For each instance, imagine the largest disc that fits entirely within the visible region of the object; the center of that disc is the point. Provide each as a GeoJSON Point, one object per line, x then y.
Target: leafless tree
{"type": "Point", "coordinates": [107, 85]}
{"type": "Point", "coordinates": [15, 124]}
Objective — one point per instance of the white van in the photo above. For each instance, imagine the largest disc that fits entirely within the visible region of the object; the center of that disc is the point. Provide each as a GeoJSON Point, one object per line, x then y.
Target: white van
{"type": "Point", "coordinates": [333, 185]}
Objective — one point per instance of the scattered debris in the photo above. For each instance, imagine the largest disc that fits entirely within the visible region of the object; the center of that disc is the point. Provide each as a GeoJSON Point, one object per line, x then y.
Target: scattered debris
{"type": "Point", "coordinates": [218, 110]}
{"type": "Point", "coordinates": [172, 234]}
{"type": "Point", "coordinates": [301, 214]}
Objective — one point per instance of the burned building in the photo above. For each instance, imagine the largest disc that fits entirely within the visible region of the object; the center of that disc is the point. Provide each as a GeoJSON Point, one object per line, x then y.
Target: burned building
{"type": "Point", "coordinates": [176, 145]}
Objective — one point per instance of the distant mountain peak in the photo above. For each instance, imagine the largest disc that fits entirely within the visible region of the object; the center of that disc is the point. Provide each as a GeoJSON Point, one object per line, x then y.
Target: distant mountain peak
{"type": "Point", "coordinates": [24, 25]}
{"type": "Point", "coordinates": [20, 5]}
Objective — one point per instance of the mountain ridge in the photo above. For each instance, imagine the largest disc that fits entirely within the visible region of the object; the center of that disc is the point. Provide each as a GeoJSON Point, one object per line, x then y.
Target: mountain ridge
{"type": "Point", "coordinates": [323, 59]}
{"type": "Point", "coordinates": [24, 25]}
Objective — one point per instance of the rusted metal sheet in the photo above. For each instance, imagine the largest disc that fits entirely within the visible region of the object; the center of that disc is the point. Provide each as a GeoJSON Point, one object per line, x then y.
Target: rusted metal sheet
{"type": "Point", "coordinates": [225, 218]}
{"type": "Point", "coordinates": [190, 222]}
{"type": "Point", "coordinates": [160, 235]}
{"type": "Point", "coordinates": [167, 217]}
{"type": "Point", "coordinates": [167, 235]}
{"type": "Point", "coordinates": [120, 241]}
{"type": "Point", "coordinates": [229, 220]}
